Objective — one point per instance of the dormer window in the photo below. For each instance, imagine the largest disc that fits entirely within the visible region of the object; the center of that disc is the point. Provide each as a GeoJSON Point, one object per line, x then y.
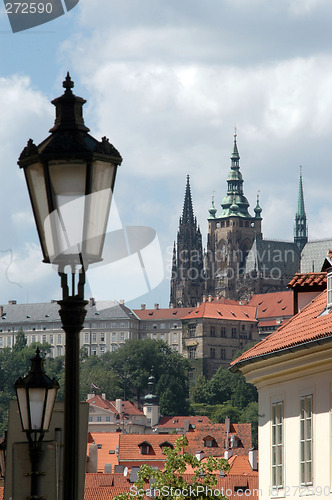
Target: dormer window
{"type": "Point", "coordinates": [210, 442]}
{"type": "Point", "coordinates": [165, 444]}
{"type": "Point", "coordinates": [145, 448]}
{"type": "Point", "coordinates": [329, 288]}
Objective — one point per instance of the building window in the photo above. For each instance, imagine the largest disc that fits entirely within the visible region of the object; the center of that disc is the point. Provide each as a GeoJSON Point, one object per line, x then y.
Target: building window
{"type": "Point", "coordinates": [44, 339]}
{"type": "Point", "coordinates": [212, 331]}
{"type": "Point", "coordinates": [94, 351]}
{"type": "Point", "coordinates": [113, 337]}
{"type": "Point", "coordinates": [108, 418]}
{"type": "Point", "coordinates": [90, 419]}
{"type": "Point", "coordinates": [233, 333]}
{"type": "Point", "coordinates": [102, 350]}
{"type": "Point", "coordinates": [102, 337]}
{"type": "Point", "coordinates": [306, 440]}
{"type": "Point", "coordinates": [149, 409]}
{"type": "Point", "coordinates": [210, 442]}
{"type": "Point", "coordinates": [59, 338]}
{"type": "Point", "coordinates": [192, 330]}
{"type": "Point", "coordinates": [154, 336]}
{"type": "Point", "coordinates": [59, 351]}
{"type": "Point", "coordinates": [33, 338]}
{"type": "Point", "coordinates": [1, 342]}
{"type": "Point", "coordinates": [122, 337]}
{"type": "Point", "coordinates": [94, 337]}
{"type": "Point", "coordinates": [329, 290]}
{"type": "Point", "coordinates": [223, 332]}
{"type": "Point", "coordinates": [98, 419]}
{"type": "Point", "coordinates": [192, 352]}
{"type": "Point", "coordinates": [9, 341]}
{"type": "Point", "coordinates": [51, 339]}
{"type": "Point", "coordinates": [212, 352]}
{"type": "Point", "coordinates": [145, 449]}
{"type": "Point", "coordinates": [277, 444]}
{"type": "Point", "coordinates": [114, 348]}
{"type": "Point", "coordinates": [223, 353]}
{"type": "Point", "coordinates": [86, 338]}
{"type": "Point", "coordinates": [175, 337]}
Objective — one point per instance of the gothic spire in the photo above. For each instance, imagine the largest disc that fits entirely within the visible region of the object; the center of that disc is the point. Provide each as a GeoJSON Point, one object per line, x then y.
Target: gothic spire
{"type": "Point", "coordinates": [300, 230]}
{"type": "Point", "coordinates": [188, 213]}
{"type": "Point", "coordinates": [235, 203]}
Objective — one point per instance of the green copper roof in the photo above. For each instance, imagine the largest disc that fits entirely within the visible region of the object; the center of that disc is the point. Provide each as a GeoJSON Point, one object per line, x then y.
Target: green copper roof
{"type": "Point", "coordinates": [300, 200]}
{"type": "Point", "coordinates": [257, 209]}
{"type": "Point", "coordinates": [212, 210]}
{"type": "Point", "coordinates": [235, 203]}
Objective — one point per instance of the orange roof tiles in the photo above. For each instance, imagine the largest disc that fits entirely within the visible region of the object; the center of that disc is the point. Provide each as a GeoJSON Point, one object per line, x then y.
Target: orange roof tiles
{"type": "Point", "coordinates": [240, 465]}
{"type": "Point", "coordinates": [308, 279]}
{"type": "Point", "coordinates": [171, 313]}
{"type": "Point", "coordinates": [218, 433]}
{"type": "Point", "coordinates": [306, 326]}
{"type": "Point", "coordinates": [108, 441]}
{"type": "Point", "coordinates": [272, 305]}
{"type": "Point", "coordinates": [214, 310]}
{"type": "Point", "coordinates": [178, 422]}
{"type": "Point", "coordinates": [127, 407]}
{"type": "Point", "coordinates": [130, 453]}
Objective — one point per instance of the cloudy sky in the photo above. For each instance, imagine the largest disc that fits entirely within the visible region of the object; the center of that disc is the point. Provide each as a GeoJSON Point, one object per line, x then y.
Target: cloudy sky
{"type": "Point", "coordinates": [167, 81]}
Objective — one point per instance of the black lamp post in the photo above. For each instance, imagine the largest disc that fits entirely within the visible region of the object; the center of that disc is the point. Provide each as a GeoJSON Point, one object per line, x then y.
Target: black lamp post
{"type": "Point", "coordinates": [36, 395]}
{"type": "Point", "coordinates": [70, 178]}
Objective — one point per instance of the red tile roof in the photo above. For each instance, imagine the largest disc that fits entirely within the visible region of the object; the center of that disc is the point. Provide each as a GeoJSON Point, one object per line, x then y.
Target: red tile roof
{"type": "Point", "coordinates": [130, 452]}
{"type": "Point", "coordinates": [272, 305]}
{"type": "Point", "coordinates": [127, 407]}
{"type": "Point", "coordinates": [308, 279]}
{"type": "Point", "coordinates": [178, 422]}
{"type": "Point", "coordinates": [107, 486]}
{"type": "Point", "coordinates": [240, 465]}
{"type": "Point", "coordinates": [109, 441]}
{"type": "Point", "coordinates": [155, 314]}
{"type": "Point", "coordinates": [214, 310]}
{"type": "Point", "coordinates": [217, 431]}
{"type": "Point", "coordinates": [306, 326]}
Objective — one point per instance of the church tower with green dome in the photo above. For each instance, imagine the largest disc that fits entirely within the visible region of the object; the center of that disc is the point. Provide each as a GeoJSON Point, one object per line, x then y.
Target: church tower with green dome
{"type": "Point", "coordinates": [231, 234]}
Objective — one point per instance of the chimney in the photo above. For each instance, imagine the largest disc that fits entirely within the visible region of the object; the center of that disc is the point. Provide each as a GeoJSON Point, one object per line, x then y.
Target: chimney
{"type": "Point", "coordinates": [103, 395]}
{"type": "Point", "coordinates": [118, 405]}
{"type": "Point", "coordinates": [93, 458]}
{"type": "Point", "coordinates": [171, 305]}
{"type": "Point", "coordinates": [121, 302]}
{"type": "Point", "coordinates": [252, 457]}
{"type": "Point", "coordinates": [143, 307]}
{"type": "Point", "coordinates": [227, 454]}
{"type": "Point", "coordinates": [199, 455]}
{"type": "Point", "coordinates": [156, 306]}
{"type": "Point", "coordinates": [92, 302]}
{"type": "Point", "coordinates": [204, 298]}
{"type": "Point", "coordinates": [12, 302]}
{"type": "Point", "coordinates": [90, 396]}
{"type": "Point", "coordinates": [210, 298]}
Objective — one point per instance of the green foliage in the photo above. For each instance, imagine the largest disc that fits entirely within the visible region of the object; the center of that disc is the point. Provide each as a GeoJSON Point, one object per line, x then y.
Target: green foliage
{"type": "Point", "coordinates": [227, 394]}
{"type": "Point", "coordinates": [133, 364]}
{"type": "Point", "coordinates": [169, 483]}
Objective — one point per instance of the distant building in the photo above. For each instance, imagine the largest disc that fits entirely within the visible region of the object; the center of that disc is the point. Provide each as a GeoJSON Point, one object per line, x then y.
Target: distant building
{"type": "Point", "coordinates": [238, 261]}
{"type": "Point", "coordinates": [292, 370]}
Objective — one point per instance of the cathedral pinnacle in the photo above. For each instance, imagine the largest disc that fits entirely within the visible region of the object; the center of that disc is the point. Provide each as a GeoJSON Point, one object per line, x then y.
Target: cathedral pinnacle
{"type": "Point", "coordinates": [212, 210]}
{"type": "Point", "coordinates": [300, 230]}
{"type": "Point", "coordinates": [257, 208]}
{"type": "Point", "coordinates": [187, 213]}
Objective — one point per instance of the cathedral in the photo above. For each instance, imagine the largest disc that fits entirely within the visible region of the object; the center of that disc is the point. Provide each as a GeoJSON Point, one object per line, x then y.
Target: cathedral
{"type": "Point", "coordinates": [237, 262]}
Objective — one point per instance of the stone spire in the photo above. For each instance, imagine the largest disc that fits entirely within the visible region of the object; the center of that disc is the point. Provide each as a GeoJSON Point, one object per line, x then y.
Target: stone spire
{"type": "Point", "coordinates": [235, 203]}
{"type": "Point", "coordinates": [187, 213]}
{"type": "Point", "coordinates": [258, 209]}
{"type": "Point", "coordinates": [300, 229]}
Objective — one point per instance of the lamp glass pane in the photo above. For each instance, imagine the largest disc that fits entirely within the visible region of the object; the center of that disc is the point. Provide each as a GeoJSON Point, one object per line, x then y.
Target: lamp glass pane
{"type": "Point", "coordinates": [23, 406]}
{"type": "Point", "coordinates": [51, 395]}
{"type": "Point", "coordinates": [36, 402]}
{"type": "Point", "coordinates": [37, 188]}
{"type": "Point", "coordinates": [65, 226]}
{"type": "Point", "coordinates": [97, 208]}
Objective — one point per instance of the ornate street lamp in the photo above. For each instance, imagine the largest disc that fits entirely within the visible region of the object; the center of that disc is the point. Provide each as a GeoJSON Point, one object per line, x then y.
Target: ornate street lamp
{"type": "Point", "coordinates": [36, 395]}
{"type": "Point", "coordinates": [70, 178]}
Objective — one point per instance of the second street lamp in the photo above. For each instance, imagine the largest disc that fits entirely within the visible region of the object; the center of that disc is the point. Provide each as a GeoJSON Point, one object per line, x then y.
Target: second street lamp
{"type": "Point", "coordinates": [36, 395]}
{"type": "Point", "coordinates": [70, 178]}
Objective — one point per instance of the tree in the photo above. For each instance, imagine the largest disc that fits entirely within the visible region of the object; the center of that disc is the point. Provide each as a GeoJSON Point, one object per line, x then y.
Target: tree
{"type": "Point", "coordinates": [134, 362]}
{"type": "Point", "coordinates": [170, 483]}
